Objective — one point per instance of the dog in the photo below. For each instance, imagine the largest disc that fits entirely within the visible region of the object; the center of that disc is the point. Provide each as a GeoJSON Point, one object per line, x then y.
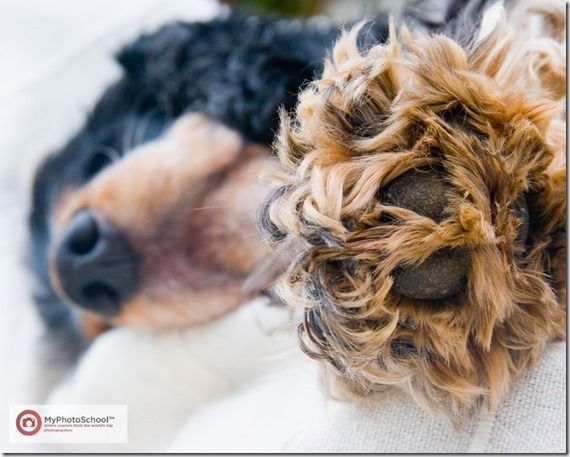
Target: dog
{"type": "Point", "coordinates": [146, 216]}
{"type": "Point", "coordinates": [422, 188]}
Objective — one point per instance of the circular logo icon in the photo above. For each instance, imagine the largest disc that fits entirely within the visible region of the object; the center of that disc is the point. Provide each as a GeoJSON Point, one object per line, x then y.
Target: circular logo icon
{"type": "Point", "coordinates": [28, 422]}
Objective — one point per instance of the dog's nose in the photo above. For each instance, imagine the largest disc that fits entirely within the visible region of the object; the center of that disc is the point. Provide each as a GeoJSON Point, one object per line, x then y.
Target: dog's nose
{"type": "Point", "coordinates": [95, 264]}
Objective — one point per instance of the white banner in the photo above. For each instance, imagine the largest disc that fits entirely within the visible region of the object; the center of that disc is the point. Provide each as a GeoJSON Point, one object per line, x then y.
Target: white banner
{"type": "Point", "coordinates": [68, 424]}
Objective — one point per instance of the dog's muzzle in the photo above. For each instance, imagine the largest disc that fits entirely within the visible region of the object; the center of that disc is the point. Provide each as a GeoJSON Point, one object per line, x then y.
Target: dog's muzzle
{"type": "Point", "coordinates": [95, 265]}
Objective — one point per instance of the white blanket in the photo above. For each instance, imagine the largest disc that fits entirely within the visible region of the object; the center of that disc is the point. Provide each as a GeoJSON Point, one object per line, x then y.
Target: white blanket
{"type": "Point", "coordinates": [241, 385]}
{"type": "Point", "coordinates": [165, 377]}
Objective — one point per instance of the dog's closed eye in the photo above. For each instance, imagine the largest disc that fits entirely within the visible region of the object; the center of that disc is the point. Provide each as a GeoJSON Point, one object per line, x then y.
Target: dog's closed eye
{"type": "Point", "coordinates": [98, 161]}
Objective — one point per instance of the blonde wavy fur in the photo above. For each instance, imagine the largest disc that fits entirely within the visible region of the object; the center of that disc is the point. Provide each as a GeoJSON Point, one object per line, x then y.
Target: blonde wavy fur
{"type": "Point", "coordinates": [489, 116]}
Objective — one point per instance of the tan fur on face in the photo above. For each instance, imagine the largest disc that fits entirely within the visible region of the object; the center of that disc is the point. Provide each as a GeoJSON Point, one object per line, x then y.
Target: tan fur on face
{"type": "Point", "coordinates": [490, 117]}
{"type": "Point", "coordinates": [186, 203]}
{"type": "Point", "coordinates": [92, 325]}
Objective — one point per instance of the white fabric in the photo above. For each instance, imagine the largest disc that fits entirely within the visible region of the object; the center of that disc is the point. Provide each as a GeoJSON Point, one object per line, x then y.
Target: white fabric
{"type": "Point", "coordinates": [532, 418]}
{"type": "Point", "coordinates": [240, 385]}
{"type": "Point", "coordinates": [166, 376]}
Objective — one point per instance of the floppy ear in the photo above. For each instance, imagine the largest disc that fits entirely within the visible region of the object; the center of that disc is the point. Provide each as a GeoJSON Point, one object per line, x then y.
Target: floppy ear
{"type": "Point", "coordinates": [162, 48]}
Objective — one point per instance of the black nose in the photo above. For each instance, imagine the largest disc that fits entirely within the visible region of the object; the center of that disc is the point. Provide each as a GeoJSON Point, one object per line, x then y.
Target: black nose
{"type": "Point", "coordinates": [95, 265]}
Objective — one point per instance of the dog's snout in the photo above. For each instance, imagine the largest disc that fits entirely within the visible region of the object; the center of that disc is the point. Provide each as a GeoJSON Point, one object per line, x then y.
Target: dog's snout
{"type": "Point", "coordinates": [95, 265]}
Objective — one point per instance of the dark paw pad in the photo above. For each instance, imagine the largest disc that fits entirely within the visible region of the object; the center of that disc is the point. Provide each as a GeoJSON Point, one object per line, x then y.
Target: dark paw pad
{"type": "Point", "coordinates": [441, 275]}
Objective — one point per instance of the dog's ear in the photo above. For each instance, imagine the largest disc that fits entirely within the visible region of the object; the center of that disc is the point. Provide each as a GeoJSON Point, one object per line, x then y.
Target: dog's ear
{"type": "Point", "coordinates": [161, 48]}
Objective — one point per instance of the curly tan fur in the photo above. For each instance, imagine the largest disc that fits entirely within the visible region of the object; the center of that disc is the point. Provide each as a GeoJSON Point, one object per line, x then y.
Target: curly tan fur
{"type": "Point", "coordinates": [489, 115]}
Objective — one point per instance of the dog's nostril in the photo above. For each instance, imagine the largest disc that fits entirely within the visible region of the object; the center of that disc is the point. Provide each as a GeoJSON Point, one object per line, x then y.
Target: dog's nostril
{"type": "Point", "coordinates": [84, 233]}
{"type": "Point", "coordinates": [103, 297]}
{"type": "Point", "coordinates": [421, 191]}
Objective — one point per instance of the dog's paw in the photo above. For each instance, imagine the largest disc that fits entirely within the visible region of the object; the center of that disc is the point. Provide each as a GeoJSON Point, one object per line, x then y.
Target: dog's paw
{"type": "Point", "coordinates": [416, 180]}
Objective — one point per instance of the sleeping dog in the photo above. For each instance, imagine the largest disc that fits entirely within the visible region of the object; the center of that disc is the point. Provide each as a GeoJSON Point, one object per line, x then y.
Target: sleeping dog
{"type": "Point", "coordinates": [146, 216]}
